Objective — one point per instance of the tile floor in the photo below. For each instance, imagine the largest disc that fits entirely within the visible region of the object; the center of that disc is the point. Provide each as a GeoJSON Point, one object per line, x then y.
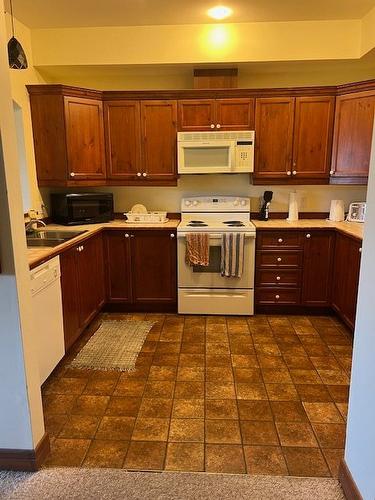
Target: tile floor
{"type": "Point", "coordinates": [257, 395]}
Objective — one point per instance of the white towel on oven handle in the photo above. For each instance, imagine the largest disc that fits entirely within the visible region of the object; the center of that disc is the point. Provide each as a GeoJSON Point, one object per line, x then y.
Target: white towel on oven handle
{"type": "Point", "coordinates": [232, 254]}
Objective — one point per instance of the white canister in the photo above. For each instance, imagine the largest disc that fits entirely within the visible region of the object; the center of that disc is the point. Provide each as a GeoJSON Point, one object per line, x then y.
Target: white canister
{"type": "Point", "coordinates": [337, 211]}
{"type": "Point", "coordinates": [293, 207]}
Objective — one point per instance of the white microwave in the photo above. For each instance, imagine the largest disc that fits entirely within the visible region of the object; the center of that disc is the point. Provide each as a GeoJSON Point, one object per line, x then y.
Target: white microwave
{"type": "Point", "coordinates": [215, 152]}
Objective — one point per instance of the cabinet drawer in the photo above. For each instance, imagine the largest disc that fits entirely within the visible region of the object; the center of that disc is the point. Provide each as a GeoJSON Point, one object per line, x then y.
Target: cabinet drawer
{"type": "Point", "coordinates": [279, 239]}
{"type": "Point", "coordinates": [274, 296]}
{"type": "Point", "coordinates": [278, 277]}
{"type": "Point", "coordinates": [279, 259]}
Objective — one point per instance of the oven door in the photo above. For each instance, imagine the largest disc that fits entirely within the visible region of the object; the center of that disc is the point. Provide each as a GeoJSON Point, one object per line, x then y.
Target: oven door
{"type": "Point", "coordinates": [210, 276]}
{"type": "Point", "coordinates": [204, 157]}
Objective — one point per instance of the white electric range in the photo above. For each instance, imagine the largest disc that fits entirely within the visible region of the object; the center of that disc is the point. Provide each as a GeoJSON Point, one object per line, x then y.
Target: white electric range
{"type": "Point", "coordinates": [203, 290]}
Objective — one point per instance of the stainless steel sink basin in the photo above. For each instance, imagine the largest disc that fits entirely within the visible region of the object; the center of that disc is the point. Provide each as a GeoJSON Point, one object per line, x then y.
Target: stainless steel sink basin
{"type": "Point", "coordinates": [45, 242]}
{"type": "Point", "coordinates": [54, 235]}
{"type": "Point", "coordinates": [47, 238]}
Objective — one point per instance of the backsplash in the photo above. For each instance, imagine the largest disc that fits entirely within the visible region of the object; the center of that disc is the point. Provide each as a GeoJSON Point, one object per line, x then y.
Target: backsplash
{"type": "Point", "coordinates": [310, 198]}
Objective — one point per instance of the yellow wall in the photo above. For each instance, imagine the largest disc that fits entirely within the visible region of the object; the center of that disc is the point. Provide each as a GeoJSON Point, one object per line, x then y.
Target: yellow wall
{"type": "Point", "coordinates": [242, 42]}
{"type": "Point", "coordinates": [20, 78]}
{"type": "Point", "coordinates": [368, 32]}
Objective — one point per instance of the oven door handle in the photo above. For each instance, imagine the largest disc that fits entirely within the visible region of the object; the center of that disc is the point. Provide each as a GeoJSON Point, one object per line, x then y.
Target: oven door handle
{"type": "Point", "coordinates": [213, 235]}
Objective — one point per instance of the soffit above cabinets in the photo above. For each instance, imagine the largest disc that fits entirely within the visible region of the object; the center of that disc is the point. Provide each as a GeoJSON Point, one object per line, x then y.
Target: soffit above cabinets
{"type": "Point", "coordinates": [70, 13]}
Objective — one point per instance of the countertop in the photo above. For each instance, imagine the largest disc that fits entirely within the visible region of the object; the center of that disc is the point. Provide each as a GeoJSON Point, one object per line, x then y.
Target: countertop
{"type": "Point", "coordinates": [354, 229]}
{"type": "Point", "coordinates": [38, 255]}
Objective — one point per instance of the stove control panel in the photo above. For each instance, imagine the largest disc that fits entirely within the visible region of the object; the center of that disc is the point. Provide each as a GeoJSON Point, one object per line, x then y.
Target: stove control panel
{"type": "Point", "coordinates": [215, 204]}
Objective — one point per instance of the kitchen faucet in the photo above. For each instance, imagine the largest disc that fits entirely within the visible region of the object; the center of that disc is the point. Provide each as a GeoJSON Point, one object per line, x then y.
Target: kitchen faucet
{"type": "Point", "coordinates": [29, 226]}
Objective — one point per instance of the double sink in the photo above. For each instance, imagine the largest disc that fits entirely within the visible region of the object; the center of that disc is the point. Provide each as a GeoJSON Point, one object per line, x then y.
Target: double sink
{"type": "Point", "coordinates": [50, 238]}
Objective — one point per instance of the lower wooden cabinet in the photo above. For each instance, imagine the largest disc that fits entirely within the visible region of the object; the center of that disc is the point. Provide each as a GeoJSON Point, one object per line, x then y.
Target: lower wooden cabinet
{"type": "Point", "coordinates": [308, 269]}
{"type": "Point", "coordinates": [82, 286]}
{"type": "Point", "coordinates": [142, 268]}
{"type": "Point", "coordinates": [317, 268]}
{"type": "Point", "coordinates": [346, 277]}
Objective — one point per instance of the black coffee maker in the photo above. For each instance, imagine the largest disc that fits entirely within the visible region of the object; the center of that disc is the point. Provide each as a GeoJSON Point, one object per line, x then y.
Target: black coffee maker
{"type": "Point", "coordinates": [265, 205]}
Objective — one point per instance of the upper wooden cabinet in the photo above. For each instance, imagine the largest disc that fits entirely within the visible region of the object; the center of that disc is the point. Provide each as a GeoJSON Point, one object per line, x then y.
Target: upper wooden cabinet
{"type": "Point", "coordinates": [194, 114]}
{"type": "Point", "coordinates": [141, 141]}
{"type": "Point", "coordinates": [274, 119]}
{"type": "Point", "coordinates": [159, 139]}
{"type": "Point", "coordinates": [68, 140]}
{"type": "Point", "coordinates": [215, 114]}
{"type": "Point", "coordinates": [122, 121]}
{"type": "Point", "coordinates": [353, 137]}
{"type": "Point", "coordinates": [293, 138]}
{"type": "Point", "coordinates": [313, 130]}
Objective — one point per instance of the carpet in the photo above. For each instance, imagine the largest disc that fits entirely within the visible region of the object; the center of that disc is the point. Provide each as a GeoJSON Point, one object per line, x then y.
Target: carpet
{"type": "Point", "coordinates": [108, 484]}
{"type": "Point", "coordinates": [114, 346]}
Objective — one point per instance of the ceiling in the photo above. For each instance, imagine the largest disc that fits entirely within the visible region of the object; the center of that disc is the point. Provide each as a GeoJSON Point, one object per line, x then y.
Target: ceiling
{"type": "Point", "coordinates": [80, 13]}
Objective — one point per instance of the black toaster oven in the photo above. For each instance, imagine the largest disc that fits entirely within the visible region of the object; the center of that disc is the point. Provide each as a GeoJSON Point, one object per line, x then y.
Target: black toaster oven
{"type": "Point", "coordinates": [81, 208]}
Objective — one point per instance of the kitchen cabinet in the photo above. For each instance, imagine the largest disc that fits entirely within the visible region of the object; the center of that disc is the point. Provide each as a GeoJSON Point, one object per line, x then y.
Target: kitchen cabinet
{"type": "Point", "coordinates": [317, 268]}
{"type": "Point", "coordinates": [279, 259]}
{"type": "Point", "coordinates": [142, 269]}
{"type": "Point", "coordinates": [352, 140]}
{"type": "Point", "coordinates": [141, 142]}
{"type": "Point", "coordinates": [159, 139]}
{"type": "Point", "coordinates": [293, 138]}
{"type": "Point", "coordinates": [303, 270]}
{"type": "Point", "coordinates": [346, 278]}
{"type": "Point", "coordinates": [119, 266]}
{"type": "Point", "coordinates": [274, 118]}
{"type": "Point", "coordinates": [82, 286]}
{"type": "Point", "coordinates": [216, 114]}
{"type": "Point", "coordinates": [123, 139]}
{"type": "Point", "coordinates": [68, 140]}
{"type": "Point", "coordinates": [313, 130]}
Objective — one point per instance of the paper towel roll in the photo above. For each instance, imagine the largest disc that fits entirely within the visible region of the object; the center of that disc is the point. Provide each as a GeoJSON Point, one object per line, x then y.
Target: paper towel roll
{"type": "Point", "coordinates": [337, 211]}
{"type": "Point", "coordinates": [293, 206]}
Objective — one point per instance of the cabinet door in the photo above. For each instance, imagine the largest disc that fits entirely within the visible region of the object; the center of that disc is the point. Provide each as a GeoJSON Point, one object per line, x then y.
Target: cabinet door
{"type": "Point", "coordinates": [354, 257]}
{"type": "Point", "coordinates": [274, 118]}
{"type": "Point", "coordinates": [159, 137]}
{"type": "Point", "coordinates": [154, 266]}
{"type": "Point", "coordinates": [346, 278]}
{"type": "Point", "coordinates": [123, 139]}
{"type": "Point", "coordinates": [352, 137]}
{"type": "Point", "coordinates": [313, 131]}
{"type": "Point", "coordinates": [235, 114]}
{"type": "Point", "coordinates": [70, 296]}
{"type": "Point", "coordinates": [317, 268]}
{"type": "Point", "coordinates": [118, 266]}
{"type": "Point", "coordinates": [84, 139]}
{"type": "Point", "coordinates": [196, 114]}
{"type": "Point", "coordinates": [90, 278]}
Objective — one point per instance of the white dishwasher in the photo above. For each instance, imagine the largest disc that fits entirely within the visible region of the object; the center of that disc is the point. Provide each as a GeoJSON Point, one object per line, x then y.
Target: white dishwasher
{"type": "Point", "coordinates": [48, 315]}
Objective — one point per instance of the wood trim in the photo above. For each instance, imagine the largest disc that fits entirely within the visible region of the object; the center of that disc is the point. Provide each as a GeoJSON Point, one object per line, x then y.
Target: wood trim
{"type": "Point", "coordinates": [292, 181]}
{"type": "Point", "coordinates": [328, 90]}
{"type": "Point", "coordinates": [293, 309]}
{"type": "Point", "coordinates": [66, 90]}
{"type": "Point", "coordinates": [157, 307]}
{"type": "Point", "coordinates": [25, 460]}
{"type": "Point", "coordinates": [347, 482]}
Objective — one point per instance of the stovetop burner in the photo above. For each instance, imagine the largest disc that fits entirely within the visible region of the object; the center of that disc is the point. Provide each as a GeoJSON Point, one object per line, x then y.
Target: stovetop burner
{"type": "Point", "coordinates": [197, 223]}
{"type": "Point", "coordinates": [234, 223]}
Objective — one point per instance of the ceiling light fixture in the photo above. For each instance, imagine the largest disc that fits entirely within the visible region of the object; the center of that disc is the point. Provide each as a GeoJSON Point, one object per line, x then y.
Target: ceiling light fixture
{"type": "Point", "coordinates": [219, 12]}
{"type": "Point", "coordinates": [16, 54]}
